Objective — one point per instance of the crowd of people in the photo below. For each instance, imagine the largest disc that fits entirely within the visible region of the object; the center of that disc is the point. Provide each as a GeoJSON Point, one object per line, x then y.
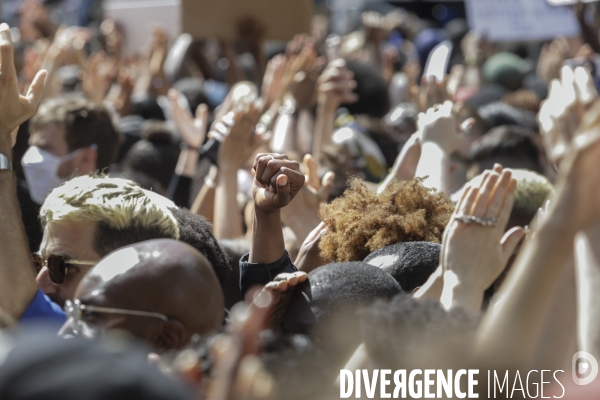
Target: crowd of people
{"type": "Point", "coordinates": [210, 219]}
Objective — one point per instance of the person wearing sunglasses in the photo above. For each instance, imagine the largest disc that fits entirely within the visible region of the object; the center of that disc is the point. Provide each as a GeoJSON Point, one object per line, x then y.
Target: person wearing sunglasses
{"type": "Point", "coordinates": [85, 219]}
{"type": "Point", "coordinates": [160, 291]}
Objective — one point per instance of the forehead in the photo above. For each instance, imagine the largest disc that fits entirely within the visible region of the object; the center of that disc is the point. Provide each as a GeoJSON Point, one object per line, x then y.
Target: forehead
{"type": "Point", "coordinates": [112, 277]}
{"type": "Point", "coordinates": [73, 239]}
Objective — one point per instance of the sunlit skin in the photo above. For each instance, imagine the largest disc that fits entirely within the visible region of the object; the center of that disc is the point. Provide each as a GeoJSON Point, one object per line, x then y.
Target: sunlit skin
{"type": "Point", "coordinates": [72, 240]}
{"type": "Point", "coordinates": [142, 277]}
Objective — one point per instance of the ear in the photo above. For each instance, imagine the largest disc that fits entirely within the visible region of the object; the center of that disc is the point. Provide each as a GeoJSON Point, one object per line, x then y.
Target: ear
{"type": "Point", "coordinates": [167, 336]}
{"type": "Point", "coordinates": [87, 161]}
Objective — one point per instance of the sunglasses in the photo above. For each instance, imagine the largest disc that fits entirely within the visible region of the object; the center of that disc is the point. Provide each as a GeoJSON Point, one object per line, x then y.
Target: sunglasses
{"type": "Point", "coordinates": [57, 266]}
{"type": "Point", "coordinates": [79, 311]}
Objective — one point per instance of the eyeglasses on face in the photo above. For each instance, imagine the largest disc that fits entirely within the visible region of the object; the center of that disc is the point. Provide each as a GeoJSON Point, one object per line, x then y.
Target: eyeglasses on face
{"type": "Point", "coordinates": [78, 311]}
{"type": "Point", "coordinates": [57, 266]}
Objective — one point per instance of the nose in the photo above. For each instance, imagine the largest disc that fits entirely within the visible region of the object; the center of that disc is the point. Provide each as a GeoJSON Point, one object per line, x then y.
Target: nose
{"type": "Point", "coordinates": [45, 283]}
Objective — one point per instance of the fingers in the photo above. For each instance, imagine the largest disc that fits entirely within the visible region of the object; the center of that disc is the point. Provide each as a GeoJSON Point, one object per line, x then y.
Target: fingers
{"type": "Point", "coordinates": [326, 186]}
{"type": "Point", "coordinates": [485, 193]}
{"type": "Point", "coordinates": [312, 175]}
{"type": "Point", "coordinates": [584, 85]}
{"type": "Point", "coordinates": [285, 281]}
{"type": "Point", "coordinates": [511, 240]}
{"type": "Point", "coordinates": [507, 205]}
{"type": "Point", "coordinates": [202, 116]}
{"type": "Point", "coordinates": [468, 200]}
{"type": "Point", "coordinates": [274, 167]}
{"type": "Point", "coordinates": [36, 90]}
{"type": "Point", "coordinates": [315, 233]}
{"type": "Point", "coordinates": [260, 163]}
{"type": "Point", "coordinates": [7, 68]}
{"type": "Point", "coordinates": [498, 200]}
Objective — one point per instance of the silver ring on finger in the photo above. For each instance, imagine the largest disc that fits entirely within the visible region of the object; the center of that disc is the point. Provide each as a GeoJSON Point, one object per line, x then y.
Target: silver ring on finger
{"type": "Point", "coordinates": [469, 219]}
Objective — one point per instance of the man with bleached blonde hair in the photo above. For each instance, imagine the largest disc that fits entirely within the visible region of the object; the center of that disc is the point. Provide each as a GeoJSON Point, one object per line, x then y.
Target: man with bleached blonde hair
{"type": "Point", "coordinates": [88, 217]}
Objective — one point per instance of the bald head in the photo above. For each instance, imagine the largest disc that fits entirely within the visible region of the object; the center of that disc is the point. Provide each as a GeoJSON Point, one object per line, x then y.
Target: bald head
{"type": "Point", "coordinates": [160, 276]}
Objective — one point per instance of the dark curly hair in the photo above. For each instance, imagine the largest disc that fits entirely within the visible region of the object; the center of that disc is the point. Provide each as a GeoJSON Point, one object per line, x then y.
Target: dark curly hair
{"type": "Point", "coordinates": [361, 221]}
{"type": "Point", "coordinates": [196, 231]}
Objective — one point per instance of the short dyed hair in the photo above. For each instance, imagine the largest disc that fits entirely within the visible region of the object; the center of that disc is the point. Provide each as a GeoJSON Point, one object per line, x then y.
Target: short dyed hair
{"type": "Point", "coordinates": [123, 212]}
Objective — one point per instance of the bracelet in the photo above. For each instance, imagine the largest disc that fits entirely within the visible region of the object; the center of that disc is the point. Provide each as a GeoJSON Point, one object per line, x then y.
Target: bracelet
{"type": "Point", "coordinates": [5, 163]}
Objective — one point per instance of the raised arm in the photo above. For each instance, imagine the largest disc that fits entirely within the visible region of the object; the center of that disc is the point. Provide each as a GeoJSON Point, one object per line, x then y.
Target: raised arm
{"type": "Point", "coordinates": [512, 330]}
{"type": "Point", "coordinates": [17, 279]}
{"type": "Point", "coordinates": [277, 180]}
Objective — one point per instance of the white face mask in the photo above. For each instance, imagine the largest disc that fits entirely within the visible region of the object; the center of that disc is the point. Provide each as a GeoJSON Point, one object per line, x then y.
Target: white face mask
{"type": "Point", "coordinates": [41, 171]}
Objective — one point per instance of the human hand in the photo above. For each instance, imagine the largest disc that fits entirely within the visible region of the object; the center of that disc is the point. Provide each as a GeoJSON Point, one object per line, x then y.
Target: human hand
{"type": "Point", "coordinates": [439, 125]}
{"type": "Point", "coordinates": [99, 75]}
{"type": "Point", "coordinates": [14, 108]}
{"type": "Point", "coordinates": [272, 86]}
{"type": "Point", "coordinates": [377, 27]}
{"type": "Point", "coordinates": [302, 214]}
{"type": "Point", "coordinates": [552, 57]}
{"type": "Point", "coordinates": [239, 141]}
{"type": "Point", "coordinates": [301, 74]}
{"type": "Point", "coordinates": [474, 255]}
{"type": "Point", "coordinates": [560, 115]}
{"type": "Point", "coordinates": [280, 290]}
{"type": "Point", "coordinates": [405, 166]}
{"type": "Point", "coordinates": [277, 180]}
{"type": "Point", "coordinates": [122, 100]}
{"type": "Point", "coordinates": [575, 204]}
{"type": "Point", "coordinates": [192, 130]}
{"type": "Point", "coordinates": [335, 85]}
{"type": "Point", "coordinates": [309, 256]}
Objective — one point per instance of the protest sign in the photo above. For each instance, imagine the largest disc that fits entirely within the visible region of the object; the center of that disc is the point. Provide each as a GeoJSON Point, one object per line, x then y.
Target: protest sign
{"type": "Point", "coordinates": [520, 20]}
{"type": "Point", "coordinates": [218, 18]}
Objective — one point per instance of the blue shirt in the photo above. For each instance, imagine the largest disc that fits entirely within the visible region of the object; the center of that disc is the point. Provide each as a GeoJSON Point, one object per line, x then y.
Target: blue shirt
{"type": "Point", "coordinates": [42, 309]}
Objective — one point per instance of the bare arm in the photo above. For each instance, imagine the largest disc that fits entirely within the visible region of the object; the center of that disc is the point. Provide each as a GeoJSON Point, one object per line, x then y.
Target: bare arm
{"type": "Point", "coordinates": [276, 181]}
{"type": "Point", "coordinates": [17, 280]}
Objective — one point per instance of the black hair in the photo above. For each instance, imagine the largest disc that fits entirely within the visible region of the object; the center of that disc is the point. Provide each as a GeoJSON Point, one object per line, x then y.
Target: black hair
{"type": "Point", "coordinates": [512, 146]}
{"type": "Point", "coordinates": [196, 231]}
{"type": "Point", "coordinates": [146, 107]}
{"type": "Point", "coordinates": [373, 99]}
{"type": "Point", "coordinates": [410, 263]}
{"type": "Point", "coordinates": [156, 155]}
{"type": "Point", "coordinates": [338, 285]}
{"type": "Point", "coordinates": [498, 113]}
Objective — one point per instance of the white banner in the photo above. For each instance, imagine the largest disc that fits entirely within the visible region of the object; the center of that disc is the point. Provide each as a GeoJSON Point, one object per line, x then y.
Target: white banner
{"type": "Point", "coordinates": [520, 20]}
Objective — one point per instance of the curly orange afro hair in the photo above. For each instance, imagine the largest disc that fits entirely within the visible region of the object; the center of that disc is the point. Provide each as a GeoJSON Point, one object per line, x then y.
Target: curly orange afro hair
{"type": "Point", "coordinates": [362, 221]}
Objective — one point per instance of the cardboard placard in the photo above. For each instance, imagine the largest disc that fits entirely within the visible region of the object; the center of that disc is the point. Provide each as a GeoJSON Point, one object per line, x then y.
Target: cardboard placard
{"type": "Point", "coordinates": [218, 18]}
{"type": "Point", "coordinates": [520, 20]}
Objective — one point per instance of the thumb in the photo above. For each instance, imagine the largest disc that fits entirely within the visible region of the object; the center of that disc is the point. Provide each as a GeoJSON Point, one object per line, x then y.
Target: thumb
{"type": "Point", "coordinates": [312, 175]}
{"type": "Point", "coordinates": [326, 186]}
{"type": "Point", "coordinates": [282, 192]}
{"type": "Point", "coordinates": [36, 90]}
{"type": "Point", "coordinates": [510, 241]}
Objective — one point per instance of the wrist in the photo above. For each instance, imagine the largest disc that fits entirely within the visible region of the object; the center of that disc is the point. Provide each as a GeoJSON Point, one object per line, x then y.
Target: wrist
{"type": "Point", "coordinates": [328, 104]}
{"type": "Point", "coordinates": [458, 294]}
